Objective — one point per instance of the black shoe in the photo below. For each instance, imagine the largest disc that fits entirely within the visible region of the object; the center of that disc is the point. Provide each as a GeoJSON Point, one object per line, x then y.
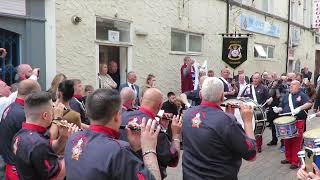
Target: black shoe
{"type": "Point", "coordinates": [293, 166]}
{"type": "Point", "coordinates": [284, 161]}
{"type": "Point", "coordinates": [272, 143]}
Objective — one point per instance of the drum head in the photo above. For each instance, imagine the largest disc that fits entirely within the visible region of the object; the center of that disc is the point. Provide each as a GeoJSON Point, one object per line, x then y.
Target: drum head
{"type": "Point", "coordinates": [237, 110]}
{"type": "Point", "coordinates": [284, 120]}
{"type": "Point", "coordinates": [313, 133]}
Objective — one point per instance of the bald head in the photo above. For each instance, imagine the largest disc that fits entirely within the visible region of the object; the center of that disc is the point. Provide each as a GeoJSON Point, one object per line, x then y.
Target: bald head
{"type": "Point", "coordinates": [152, 99]}
{"type": "Point", "coordinates": [27, 87]}
{"type": "Point", "coordinates": [24, 71]}
{"type": "Point", "coordinates": [295, 86]}
{"type": "Point", "coordinates": [225, 72]}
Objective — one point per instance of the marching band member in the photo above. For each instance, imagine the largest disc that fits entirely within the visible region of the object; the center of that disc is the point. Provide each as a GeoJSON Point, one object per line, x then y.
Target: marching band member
{"type": "Point", "coordinates": [259, 93]}
{"type": "Point", "coordinates": [167, 151]}
{"type": "Point", "coordinates": [295, 102]}
{"type": "Point", "coordinates": [128, 99]}
{"type": "Point", "coordinates": [229, 91]}
{"type": "Point", "coordinates": [35, 157]}
{"type": "Point", "coordinates": [97, 153]}
{"type": "Point", "coordinates": [213, 141]}
{"type": "Point", "coordinates": [11, 123]}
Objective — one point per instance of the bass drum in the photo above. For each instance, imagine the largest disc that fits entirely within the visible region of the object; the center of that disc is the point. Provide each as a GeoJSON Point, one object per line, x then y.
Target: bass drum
{"type": "Point", "coordinates": [259, 116]}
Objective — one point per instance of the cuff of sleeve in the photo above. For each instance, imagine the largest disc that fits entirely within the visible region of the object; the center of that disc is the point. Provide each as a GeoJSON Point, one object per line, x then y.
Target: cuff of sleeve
{"type": "Point", "coordinates": [33, 77]}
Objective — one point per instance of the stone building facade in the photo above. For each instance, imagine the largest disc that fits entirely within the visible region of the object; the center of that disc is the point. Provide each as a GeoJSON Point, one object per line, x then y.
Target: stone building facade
{"type": "Point", "coordinates": [154, 36]}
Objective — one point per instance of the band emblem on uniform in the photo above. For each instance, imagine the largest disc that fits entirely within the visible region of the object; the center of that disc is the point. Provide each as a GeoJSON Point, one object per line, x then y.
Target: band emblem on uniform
{"type": "Point", "coordinates": [196, 121]}
{"type": "Point", "coordinates": [298, 99]}
{"type": "Point", "coordinates": [77, 150]}
{"type": "Point", "coordinates": [15, 145]}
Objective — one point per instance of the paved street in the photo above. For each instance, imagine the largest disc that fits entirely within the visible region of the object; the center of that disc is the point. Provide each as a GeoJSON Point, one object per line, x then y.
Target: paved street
{"type": "Point", "coordinates": [266, 167]}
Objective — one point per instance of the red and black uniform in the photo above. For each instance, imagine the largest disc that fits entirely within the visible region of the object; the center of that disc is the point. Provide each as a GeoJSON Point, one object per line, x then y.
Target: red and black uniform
{"type": "Point", "coordinates": [293, 145]}
{"type": "Point", "coordinates": [214, 144]}
{"type": "Point", "coordinates": [34, 156]}
{"type": "Point", "coordinates": [186, 78]}
{"type": "Point", "coordinates": [97, 154]}
{"type": "Point", "coordinates": [167, 154]}
{"type": "Point", "coordinates": [11, 123]}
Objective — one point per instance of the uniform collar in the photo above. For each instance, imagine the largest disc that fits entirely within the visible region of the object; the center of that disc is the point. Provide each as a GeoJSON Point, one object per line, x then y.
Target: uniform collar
{"type": "Point", "coordinates": [78, 96]}
{"type": "Point", "coordinates": [19, 101]}
{"type": "Point", "coordinates": [211, 104]}
{"type": "Point", "coordinates": [147, 112]}
{"type": "Point", "coordinates": [105, 130]}
{"type": "Point", "coordinates": [34, 127]}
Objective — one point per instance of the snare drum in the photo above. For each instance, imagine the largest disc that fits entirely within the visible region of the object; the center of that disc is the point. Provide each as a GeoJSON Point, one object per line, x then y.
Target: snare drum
{"type": "Point", "coordinates": [310, 136]}
{"type": "Point", "coordinates": [259, 116]}
{"type": "Point", "coordinates": [286, 127]}
{"type": "Point", "coordinates": [311, 147]}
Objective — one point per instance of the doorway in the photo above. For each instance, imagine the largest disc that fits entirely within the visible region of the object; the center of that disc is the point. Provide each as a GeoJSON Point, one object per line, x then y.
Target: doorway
{"type": "Point", "coordinates": [119, 55]}
{"type": "Point", "coordinates": [10, 41]}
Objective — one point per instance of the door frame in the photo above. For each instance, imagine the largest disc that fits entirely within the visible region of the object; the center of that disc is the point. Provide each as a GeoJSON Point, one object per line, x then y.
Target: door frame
{"type": "Point", "coordinates": [128, 54]}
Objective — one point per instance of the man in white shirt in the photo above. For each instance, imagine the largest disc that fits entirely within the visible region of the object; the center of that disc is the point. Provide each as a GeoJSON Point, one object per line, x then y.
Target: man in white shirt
{"type": "Point", "coordinates": [242, 84]}
{"type": "Point", "coordinates": [6, 97]}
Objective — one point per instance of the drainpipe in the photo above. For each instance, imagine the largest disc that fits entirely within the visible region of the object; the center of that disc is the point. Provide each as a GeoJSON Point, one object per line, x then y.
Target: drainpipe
{"type": "Point", "coordinates": [228, 14]}
{"type": "Point", "coordinates": [288, 36]}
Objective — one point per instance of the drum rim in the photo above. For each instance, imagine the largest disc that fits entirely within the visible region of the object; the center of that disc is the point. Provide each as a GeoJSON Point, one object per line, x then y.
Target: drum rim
{"type": "Point", "coordinates": [292, 122]}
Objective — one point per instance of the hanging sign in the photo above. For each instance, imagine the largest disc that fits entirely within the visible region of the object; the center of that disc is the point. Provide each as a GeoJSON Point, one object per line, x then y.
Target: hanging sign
{"type": "Point", "coordinates": [234, 51]}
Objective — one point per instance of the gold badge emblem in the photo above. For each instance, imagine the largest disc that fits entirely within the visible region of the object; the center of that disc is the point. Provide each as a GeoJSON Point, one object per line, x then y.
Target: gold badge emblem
{"type": "Point", "coordinates": [77, 150]}
{"type": "Point", "coordinates": [196, 121]}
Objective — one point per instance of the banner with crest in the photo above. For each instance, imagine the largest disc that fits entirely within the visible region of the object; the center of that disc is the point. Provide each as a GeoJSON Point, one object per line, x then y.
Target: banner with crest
{"type": "Point", "coordinates": [234, 50]}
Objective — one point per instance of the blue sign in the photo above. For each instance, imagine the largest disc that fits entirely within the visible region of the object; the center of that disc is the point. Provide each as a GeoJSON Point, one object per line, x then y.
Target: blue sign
{"type": "Point", "coordinates": [253, 24]}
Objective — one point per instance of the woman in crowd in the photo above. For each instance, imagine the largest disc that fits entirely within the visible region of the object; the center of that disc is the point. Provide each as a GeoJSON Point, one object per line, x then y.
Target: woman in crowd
{"type": "Point", "coordinates": [105, 80]}
{"type": "Point", "coordinates": [150, 83]}
{"type": "Point", "coordinates": [54, 85]}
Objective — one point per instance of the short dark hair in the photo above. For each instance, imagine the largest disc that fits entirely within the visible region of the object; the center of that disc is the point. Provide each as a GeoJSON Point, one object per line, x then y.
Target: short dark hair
{"type": "Point", "coordinates": [37, 99]}
{"type": "Point", "coordinates": [170, 94]}
{"type": "Point", "coordinates": [67, 90]}
{"type": "Point", "coordinates": [102, 105]}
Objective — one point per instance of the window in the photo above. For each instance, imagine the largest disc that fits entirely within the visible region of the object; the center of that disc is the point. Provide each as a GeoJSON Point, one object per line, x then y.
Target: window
{"type": "Point", "coordinates": [317, 39]}
{"type": "Point", "coordinates": [263, 51]}
{"type": "Point", "coordinates": [111, 30]}
{"type": "Point", "coordinates": [267, 6]}
{"type": "Point", "coordinates": [186, 42]}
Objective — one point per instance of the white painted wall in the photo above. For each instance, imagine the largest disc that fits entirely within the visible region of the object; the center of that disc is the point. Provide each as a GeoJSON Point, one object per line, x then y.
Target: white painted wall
{"type": "Point", "coordinates": [77, 56]}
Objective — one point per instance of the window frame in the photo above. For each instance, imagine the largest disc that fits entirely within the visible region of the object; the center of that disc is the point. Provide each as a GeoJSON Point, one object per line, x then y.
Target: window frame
{"type": "Point", "coordinates": [187, 33]}
{"type": "Point", "coordinates": [267, 51]}
{"type": "Point", "coordinates": [112, 43]}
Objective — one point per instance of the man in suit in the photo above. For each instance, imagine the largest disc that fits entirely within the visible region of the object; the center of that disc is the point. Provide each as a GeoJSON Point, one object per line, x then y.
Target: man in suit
{"type": "Point", "coordinates": [131, 80]}
{"type": "Point", "coordinates": [306, 73]}
{"type": "Point", "coordinates": [241, 71]}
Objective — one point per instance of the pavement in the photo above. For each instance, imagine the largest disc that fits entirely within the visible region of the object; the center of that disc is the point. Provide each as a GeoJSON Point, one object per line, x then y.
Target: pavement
{"type": "Point", "coordinates": [267, 165]}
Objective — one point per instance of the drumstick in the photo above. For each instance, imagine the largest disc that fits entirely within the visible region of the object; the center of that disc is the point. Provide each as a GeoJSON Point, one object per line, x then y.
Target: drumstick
{"type": "Point", "coordinates": [285, 114]}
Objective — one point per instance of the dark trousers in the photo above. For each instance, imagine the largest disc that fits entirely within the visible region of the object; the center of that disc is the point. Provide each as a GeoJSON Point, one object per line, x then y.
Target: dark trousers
{"type": "Point", "coordinates": [270, 117]}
